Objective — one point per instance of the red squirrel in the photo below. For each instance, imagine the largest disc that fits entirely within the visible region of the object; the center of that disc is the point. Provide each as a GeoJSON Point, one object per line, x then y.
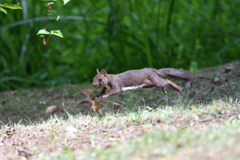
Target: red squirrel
{"type": "Point", "coordinates": [133, 79]}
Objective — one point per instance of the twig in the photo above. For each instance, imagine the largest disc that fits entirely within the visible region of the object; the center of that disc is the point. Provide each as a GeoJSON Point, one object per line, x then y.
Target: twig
{"type": "Point", "coordinates": [115, 103]}
{"type": "Point", "coordinates": [49, 10]}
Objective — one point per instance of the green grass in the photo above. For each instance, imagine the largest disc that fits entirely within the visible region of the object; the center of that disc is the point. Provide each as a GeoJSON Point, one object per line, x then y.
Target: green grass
{"type": "Point", "coordinates": [168, 132]}
{"type": "Point", "coordinates": [174, 142]}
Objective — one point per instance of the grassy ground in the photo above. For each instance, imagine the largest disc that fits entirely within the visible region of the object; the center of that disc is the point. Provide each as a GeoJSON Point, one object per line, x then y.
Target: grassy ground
{"type": "Point", "coordinates": [202, 122]}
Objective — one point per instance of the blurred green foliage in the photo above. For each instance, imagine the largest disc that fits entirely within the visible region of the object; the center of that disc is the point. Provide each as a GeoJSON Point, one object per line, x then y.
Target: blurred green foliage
{"type": "Point", "coordinates": [9, 6]}
{"type": "Point", "coordinates": [115, 35]}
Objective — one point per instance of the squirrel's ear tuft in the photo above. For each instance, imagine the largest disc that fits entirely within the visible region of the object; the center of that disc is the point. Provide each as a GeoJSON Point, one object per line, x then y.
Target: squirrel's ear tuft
{"type": "Point", "coordinates": [98, 71]}
{"type": "Point", "coordinates": [104, 72]}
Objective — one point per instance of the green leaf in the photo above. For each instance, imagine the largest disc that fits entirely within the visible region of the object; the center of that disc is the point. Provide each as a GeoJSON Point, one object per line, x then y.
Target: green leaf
{"type": "Point", "coordinates": [42, 31]}
{"type": "Point", "coordinates": [58, 17]}
{"type": "Point", "coordinates": [193, 67]}
{"type": "Point", "coordinates": [48, 0]}
{"type": "Point", "coordinates": [65, 1]}
{"type": "Point", "coordinates": [3, 10]}
{"type": "Point", "coordinates": [51, 14]}
{"type": "Point", "coordinates": [195, 109]}
{"type": "Point", "coordinates": [57, 33]}
{"type": "Point", "coordinates": [11, 6]}
{"type": "Point", "coordinates": [217, 75]}
{"type": "Point", "coordinates": [49, 3]}
{"type": "Point", "coordinates": [53, 32]}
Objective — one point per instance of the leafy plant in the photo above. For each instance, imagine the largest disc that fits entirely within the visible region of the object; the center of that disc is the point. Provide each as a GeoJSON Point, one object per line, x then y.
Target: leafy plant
{"type": "Point", "coordinates": [193, 67]}
{"type": "Point", "coordinates": [51, 13]}
{"type": "Point", "coordinates": [9, 6]}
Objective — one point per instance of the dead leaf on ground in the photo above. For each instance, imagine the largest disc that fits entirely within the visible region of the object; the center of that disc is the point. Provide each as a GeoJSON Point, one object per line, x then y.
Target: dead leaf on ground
{"type": "Point", "coordinates": [216, 81]}
{"type": "Point", "coordinates": [51, 109]}
{"type": "Point", "coordinates": [198, 99]}
{"type": "Point", "coordinates": [86, 91]}
{"type": "Point", "coordinates": [95, 106]}
{"type": "Point", "coordinates": [70, 135]}
{"type": "Point", "coordinates": [9, 132]}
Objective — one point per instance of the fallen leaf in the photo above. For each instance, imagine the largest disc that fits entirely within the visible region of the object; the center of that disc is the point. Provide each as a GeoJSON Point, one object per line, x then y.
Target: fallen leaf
{"type": "Point", "coordinates": [159, 121]}
{"type": "Point", "coordinates": [70, 135]}
{"type": "Point", "coordinates": [95, 106]}
{"type": "Point", "coordinates": [216, 81]}
{"type": "Point", "coordinates": [71, 129]}
{"type": "Point", "coordinates": [51, 109]}
{"type": "Point", "coordinates": [10, 131]}
{"type": "Point", "coordinates": [87, 92]}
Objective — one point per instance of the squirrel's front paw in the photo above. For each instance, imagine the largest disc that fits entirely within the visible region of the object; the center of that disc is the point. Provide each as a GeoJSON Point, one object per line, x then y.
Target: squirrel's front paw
{"type": "Point", "coordinates": [104, 97]}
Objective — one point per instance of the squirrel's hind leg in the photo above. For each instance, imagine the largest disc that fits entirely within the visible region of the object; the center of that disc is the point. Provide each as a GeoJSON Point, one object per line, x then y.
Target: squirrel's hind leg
{"type": "Point", "coordinates": [160, 82]}
{"type": "Point", "coordinates": [174, 86]}
{"type": "Point", "coordinates": [164, 90]}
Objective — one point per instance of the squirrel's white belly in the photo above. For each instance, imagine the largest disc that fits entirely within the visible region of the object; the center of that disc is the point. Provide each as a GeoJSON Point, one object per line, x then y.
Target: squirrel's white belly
{"type": "Point", "coordinates": [132, 87]}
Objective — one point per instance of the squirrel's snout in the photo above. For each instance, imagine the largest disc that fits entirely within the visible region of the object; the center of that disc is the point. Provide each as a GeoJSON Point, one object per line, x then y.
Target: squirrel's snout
{"type": "Point", "coordinates": [94, 85]}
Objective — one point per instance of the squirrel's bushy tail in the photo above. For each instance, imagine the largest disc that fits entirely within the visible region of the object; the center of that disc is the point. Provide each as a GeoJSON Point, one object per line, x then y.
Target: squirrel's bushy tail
{"type": "Point", "coordinates": [175, 73]}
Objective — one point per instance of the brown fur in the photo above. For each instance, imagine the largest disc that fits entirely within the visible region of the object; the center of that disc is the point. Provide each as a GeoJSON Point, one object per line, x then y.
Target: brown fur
{"type": "Point", "coordinates": [132, 79]}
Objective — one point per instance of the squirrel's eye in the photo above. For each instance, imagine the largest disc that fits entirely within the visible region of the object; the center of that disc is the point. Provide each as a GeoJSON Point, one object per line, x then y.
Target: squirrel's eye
{"type": "Point", "coordinates": [100, 79]}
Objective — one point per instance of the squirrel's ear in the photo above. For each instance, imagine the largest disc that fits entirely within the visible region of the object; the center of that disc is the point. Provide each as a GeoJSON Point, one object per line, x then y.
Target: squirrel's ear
{"type": "Point", "coordinates": [98, 71]}
{"type": "Point", "coordinates": [104, 72]}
